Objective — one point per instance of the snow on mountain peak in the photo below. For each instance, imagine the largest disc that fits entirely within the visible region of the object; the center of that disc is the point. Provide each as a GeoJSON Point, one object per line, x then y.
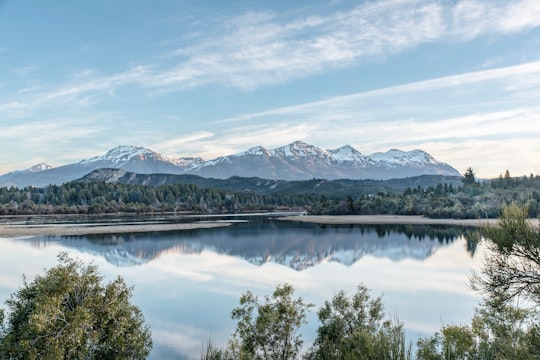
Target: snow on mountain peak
{"type": "Point", "coordinates": [124, 153]}
{"type": "Point", "coordinates": [300, 150]}
{"type": "Point", "coordinates": [31, 170]}
{"type": "Point", "coordinates": [347, 153]}
{"type": "Point", "coordinates": [400, 157]}
{"type": "Point", "coordinates": [257, 151]}
{"type": "Point", "coordinates": [39, 167]}
{"type": "Point", "coordinates": [296, 161]}
{"type": "Point", "coordinates": [187, 162]}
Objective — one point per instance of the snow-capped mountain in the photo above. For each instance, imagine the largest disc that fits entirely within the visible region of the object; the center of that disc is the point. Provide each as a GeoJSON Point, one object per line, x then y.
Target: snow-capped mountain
{"type": "Point", "coordinates": [130, 158]}
{"type": "Point", "coordinates": [296, 161]}
{"type": "Point", "coordinates": [13, 178]}
{"type": "Point", "coordinates": [301, 161]}
{"type": "Point", "coordinates": [347, 153]}
{"type": "Point", "coordinates": [139, 160]}
{"type": "Point", "coordinates": [394, 157]}
{"type": "Point", "coordinates": [33, 169]}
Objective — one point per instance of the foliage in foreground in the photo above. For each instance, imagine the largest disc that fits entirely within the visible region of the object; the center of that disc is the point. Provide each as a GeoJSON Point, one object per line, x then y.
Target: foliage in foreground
{"type": "Point", "coordinates": [354, 328]}
{"type": "Point", "coordinates": [69, 314]}
{"type": "Point", "coordinates": [512, 266]}
{"type": "Point", "coordinates": [350, 328]}
{"type": "Point", "coordinates": [495, 333]}
{"type": "Point", "coordinates": [268, 330]}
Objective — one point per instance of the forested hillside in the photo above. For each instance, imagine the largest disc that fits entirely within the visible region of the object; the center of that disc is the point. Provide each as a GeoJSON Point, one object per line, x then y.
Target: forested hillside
{"type": "Point", "coordinates": [316, 186]}
{"type": "Point", "coordinates": [466, 199]}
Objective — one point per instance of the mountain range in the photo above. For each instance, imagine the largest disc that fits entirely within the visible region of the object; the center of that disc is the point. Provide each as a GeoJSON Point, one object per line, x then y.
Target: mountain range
{"type": "Point", "coordinates": [296, 161]}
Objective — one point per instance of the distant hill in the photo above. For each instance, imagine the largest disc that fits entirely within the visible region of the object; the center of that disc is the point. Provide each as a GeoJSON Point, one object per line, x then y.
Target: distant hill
{"type": "Point", "coordinates": [329, 188]}
{"type": "Point", "coordinates": [296, 161]}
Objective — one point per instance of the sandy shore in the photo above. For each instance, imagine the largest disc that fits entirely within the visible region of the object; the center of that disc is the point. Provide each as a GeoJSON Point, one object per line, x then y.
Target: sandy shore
{"type": "Point", "coordinates": [391, 219]}
{"type": "Point", "coordinates": [14, 230]}
{"type": "Point", "coordinates": [7, 230]}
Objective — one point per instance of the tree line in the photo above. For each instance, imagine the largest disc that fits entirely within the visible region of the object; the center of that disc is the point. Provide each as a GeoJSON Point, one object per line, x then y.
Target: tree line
{"type": "Point", "coordinates": [103, 197]}
{"type": "Point", "coordinates": [471, 199]}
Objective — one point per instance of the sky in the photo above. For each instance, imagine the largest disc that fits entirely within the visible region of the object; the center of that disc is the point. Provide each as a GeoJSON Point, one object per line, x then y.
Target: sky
{"type": "Point", "coordinates": [459, 79]}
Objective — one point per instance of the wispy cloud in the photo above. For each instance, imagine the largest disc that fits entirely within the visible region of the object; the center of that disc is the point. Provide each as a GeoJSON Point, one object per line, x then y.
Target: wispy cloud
{"type": "Point", "coordinates": [176, 144]}
{"type": "Point", "coordinates": [524, 76]}
{"type": "Point", "coordinates": [46, 140]}
{"type": "Point", "coordinates": [34, 133]}
{"type": "Point", "coordinates": [473, 18]}
{"type": "Point", "coordinates": [258, 49]}
{"type": "Point", "coordinates": [265, 48]}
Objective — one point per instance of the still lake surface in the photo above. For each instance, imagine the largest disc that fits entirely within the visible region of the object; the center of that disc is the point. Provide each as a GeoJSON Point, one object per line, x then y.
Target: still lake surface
{"type": "Point", "coordinates": [187, 282]}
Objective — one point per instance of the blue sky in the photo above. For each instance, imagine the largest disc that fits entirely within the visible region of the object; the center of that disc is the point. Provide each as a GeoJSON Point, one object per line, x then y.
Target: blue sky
{"type": "Point", "coordinates": [458, 79]}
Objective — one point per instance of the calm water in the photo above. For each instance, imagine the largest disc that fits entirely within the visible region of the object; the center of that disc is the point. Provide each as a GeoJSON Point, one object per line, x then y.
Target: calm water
{"type": "Point", "coordinates": [188, 282]}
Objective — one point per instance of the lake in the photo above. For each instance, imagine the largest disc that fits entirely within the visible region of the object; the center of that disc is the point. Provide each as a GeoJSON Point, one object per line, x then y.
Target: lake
{"type": "Point", "coordinates": [187, 282]}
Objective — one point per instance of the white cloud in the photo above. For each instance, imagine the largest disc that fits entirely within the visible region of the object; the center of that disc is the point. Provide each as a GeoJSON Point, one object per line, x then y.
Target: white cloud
{"type": "Point", "coordinates": [524, 75]}
{"type": "Point", "coordinates": [519, 16]}
{"type": "Point", "coordinates": [43, 132]}
{"type": "Point", "coordinates": [257, 49]}
{"type": "Point", "coordinates": [264, 48]}
{"type": "Point", "coordinates": [175, 144]}
{"type": "Point", "coordinates": [47, 140]}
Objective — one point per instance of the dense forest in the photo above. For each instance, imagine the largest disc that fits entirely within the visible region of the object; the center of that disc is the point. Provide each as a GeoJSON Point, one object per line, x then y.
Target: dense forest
{"type": "Point", "coordinates": [469, 199]}
{"type": "Point", "coordinates": [472, 199]}
{"type": "Point", "coordinates": [101, 197]}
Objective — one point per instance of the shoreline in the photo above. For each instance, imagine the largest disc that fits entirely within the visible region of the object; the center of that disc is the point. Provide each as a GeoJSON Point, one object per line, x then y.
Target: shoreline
{"type": "Point", "coordinates": [16, 230]}
{"type": "Point", "coordinates": [391, 220]}
{"type": "Point", "coordinates": [7, 230]}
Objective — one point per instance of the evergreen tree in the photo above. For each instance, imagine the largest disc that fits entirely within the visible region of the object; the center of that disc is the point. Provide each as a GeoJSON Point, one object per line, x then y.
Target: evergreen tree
{"type": "Point", "coordinates": [469, 178]}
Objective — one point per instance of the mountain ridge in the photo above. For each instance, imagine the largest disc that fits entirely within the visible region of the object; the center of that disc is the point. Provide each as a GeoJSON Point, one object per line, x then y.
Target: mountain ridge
{"type": "Point", "coordinates": [295, 161]}
{"type": "Point", "coordinates": [328, 188]}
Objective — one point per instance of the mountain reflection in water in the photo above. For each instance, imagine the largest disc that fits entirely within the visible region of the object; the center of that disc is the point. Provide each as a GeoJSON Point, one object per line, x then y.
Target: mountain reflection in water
{"type": "Point", "coordinates": [262, 240]}
{"type": "Point", "coordinates": [187, 282]}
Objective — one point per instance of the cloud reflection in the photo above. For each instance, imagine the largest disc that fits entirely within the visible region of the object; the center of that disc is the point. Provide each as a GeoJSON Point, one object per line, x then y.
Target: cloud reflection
{"type": "Point", "coordinates": [187, 293]}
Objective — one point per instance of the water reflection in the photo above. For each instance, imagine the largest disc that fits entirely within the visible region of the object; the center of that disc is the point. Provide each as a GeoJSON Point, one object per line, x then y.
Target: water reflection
{"type": "Point", "coordinates": [260, 241]}
{"type": "Point", "coordinates": [187, 282]}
